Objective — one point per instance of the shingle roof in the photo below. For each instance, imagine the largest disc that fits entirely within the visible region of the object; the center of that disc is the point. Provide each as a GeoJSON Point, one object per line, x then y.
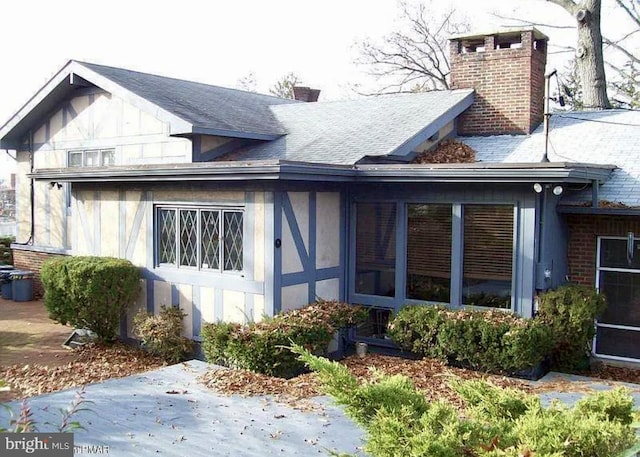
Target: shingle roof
{"type": "Point", "coordinates": [203, 105]}
{"type": "Point", "coordinates": [344, 132]}
{"type": "Point", "coordinates": [598, 137]}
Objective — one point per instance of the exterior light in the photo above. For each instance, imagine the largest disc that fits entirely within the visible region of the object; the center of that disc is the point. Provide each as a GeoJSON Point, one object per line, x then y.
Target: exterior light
{"type": "Point", "coordinates": [557, 191]}
{"type": "Point", "coordinates": [537, 187]}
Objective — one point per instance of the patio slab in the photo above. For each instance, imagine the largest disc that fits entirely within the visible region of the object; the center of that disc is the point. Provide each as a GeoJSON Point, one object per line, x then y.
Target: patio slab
{"type": "Point", "coordinates": [138, 416]}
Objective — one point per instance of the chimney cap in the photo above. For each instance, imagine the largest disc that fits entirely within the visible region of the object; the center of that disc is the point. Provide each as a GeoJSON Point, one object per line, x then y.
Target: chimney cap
{"type": "Point", "coordinates": [510, 31]}
{"type": "Point", "coordinates": [305, 94]}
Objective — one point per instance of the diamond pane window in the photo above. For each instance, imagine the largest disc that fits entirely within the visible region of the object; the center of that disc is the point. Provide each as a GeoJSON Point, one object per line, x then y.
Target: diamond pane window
{"type": "Point", "coordinates": [210, 239]}
{"type": "Point", "coordinates": [167, 235]}
{"type": "Point", "coordinates": [232, 241]}
{"type": "Point", "coordinates": [206, 239]}
{"type": "Point", "coordinates": [188, 238]}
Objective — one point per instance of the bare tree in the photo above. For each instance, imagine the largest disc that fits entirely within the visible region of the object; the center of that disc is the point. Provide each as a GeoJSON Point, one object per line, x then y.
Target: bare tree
{"type": "Point", "coordinates": [415, 59]}
{"type": "Point", "coordinates": [589, 58]}
{"type": "Point", "coordinates": [283, 88]}
{"type": "Point", "coordinates": [248, 82]}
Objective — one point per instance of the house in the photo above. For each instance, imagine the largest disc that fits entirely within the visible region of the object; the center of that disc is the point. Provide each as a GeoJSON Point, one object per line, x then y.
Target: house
{"type": "Point", "coordinates": [237, 205]}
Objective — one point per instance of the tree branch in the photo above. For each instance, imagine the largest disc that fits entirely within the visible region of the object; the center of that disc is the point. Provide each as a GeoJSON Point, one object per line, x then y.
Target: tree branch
{"type": "Point", "coordinates": [568, 5]}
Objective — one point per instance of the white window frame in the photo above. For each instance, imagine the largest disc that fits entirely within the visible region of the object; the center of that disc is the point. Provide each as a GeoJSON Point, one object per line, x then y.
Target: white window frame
{"type": "Point", "coordinates": [101, 154]}
{"type": "Point", "coordinates": [198, 208]}
{"type": "Point", "coordinates": [600, 268]}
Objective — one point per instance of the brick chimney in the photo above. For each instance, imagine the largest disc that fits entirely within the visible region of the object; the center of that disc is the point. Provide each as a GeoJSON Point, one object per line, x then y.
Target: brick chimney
{"type": "Point", "coordinates": [305, 94]}
{"type": "Point", "coordinates": [507, 72]}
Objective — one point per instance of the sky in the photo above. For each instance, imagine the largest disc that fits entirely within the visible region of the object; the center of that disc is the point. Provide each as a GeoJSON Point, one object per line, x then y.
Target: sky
{"type": "Point", "coordinates": [218, 42]}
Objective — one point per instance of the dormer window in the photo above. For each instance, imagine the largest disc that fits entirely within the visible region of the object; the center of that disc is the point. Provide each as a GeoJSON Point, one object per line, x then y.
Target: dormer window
{"type": "Point", "coordinates": [91, 158]}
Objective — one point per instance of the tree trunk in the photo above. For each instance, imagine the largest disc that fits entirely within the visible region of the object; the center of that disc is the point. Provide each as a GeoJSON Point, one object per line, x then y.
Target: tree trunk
{"type": "Point", "coordinates": [589, 59]}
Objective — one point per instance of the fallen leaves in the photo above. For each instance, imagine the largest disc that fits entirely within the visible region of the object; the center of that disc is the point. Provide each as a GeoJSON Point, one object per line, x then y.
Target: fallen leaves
{"type": "Point", "coordinates": [93, 363]}
{"type": "Point", "coordinates": [448, 151]}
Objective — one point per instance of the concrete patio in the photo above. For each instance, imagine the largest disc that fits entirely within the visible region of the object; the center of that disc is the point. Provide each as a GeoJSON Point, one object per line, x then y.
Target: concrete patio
{"type": "Point", "coordinates": [168, 412]}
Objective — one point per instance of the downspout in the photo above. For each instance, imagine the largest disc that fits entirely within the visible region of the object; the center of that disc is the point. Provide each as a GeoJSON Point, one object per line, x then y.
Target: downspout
{"type": "Point", "coordinates": [31, 192]}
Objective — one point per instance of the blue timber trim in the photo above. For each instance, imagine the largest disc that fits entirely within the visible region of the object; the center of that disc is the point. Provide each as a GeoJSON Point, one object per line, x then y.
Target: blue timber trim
{"type": "Point", "coordinates": [221, 150]}
{"type": "Point", "coordinates": [150, 294]}
{"type": "Point", "coordinates": [137, 224]}
{"type": "Point", "coordinates": [151, 224]}
{"type": "Point", "coordinates": [65, 216]}
{"type": "Point", "coordinates": [287, 210]}
{"type": "Point", "coordinates": [47, 214]}
{"type": "Point", "coordinates": [401, 254]}
{"type": "Point", "coordinates": [248, 235]}
{"type": "Point", "coordinates": [423, 135]}
{"type": "Point", "coordinates": [203, 279]}
{"type": "Point", "coordinates": [457, 241]}
{"type": "Point", "coordinates": [302, 277]}
{"type": "Point", "coordinates": [248, 307]}
{"type": "Point", "coordinates": [218, 308]}
{"type": "Point", "coordinates": [235, 133]}
{"type": "Point", "coordinates": [175, 296]}
{"type": "Point", "coordinates": [196, 314]}
{"type": "Point", "coordinates": [269, 253]}
{"type": "Point", "coordinates": [47, 131]}
{"type": "Point", "coordinates": [97, 237]}
{"type": "Point", "coordinates": [122, 224]}
{"type": "Point", "coordinates": [311, 260]}
{"type": "Point", "coordinates": [277, 255]}
{"type": "Point", "coordinates": [344, 236]}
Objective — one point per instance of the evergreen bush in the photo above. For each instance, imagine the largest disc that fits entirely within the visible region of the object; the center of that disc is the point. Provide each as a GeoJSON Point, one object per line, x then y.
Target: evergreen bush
{"type": "Point", "coordinates": [90, 292]}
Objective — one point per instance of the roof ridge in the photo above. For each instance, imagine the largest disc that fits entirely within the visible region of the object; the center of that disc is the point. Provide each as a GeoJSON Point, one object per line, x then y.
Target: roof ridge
{"type": "Point", "coordinates": [250, 93]}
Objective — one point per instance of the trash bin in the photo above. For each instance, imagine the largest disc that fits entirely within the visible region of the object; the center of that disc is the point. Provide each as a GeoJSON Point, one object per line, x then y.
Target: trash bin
{"type": "Point", "coordinates": [5, 281]}
{"type": "Point", "coordinates": [21, 285]}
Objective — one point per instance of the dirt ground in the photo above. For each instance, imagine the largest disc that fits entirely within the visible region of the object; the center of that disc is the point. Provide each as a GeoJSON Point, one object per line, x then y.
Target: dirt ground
{"type": "Point", "coordinates": [28, 336]}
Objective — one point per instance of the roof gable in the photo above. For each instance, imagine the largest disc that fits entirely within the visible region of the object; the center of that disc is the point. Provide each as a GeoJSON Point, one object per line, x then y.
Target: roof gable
{"type": "Point", "coordinates": [188, 107]}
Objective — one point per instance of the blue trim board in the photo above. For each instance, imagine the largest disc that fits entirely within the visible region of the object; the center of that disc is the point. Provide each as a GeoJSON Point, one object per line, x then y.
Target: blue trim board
{"type": "Point", "coordinates": [65, 216]}
{"type": "Point", "coordinates": [137, 224]}
{"type": "Point", "coordinates": [311, 260]}
{"type": "Point", "coordinates": [218, 310]}
{"type": "Point", "coordinates": [175, 296]}
{"type": "Point", "coordinates": [457, 241]}
{"type": "Point", "coordinates": [97, 238]}
{"type": "Point", "coordinates": [401, 254]}
{"type": "Point", "coordinates": [287, 209]}
{"type": "Point", "coordinates": [196, 313]}
{"type": "Point", "coordinates": [269, 253]}
{"type": "Point", "coordinates": [47, 213]}
{"type": "Point", "coordinates": [150, 295]}
{"type": "Point", "coordinates": [122, 224]}
{"type": "Point", "coordinates": [196, 148]}
{"type": "Point", "coordinates": [277, 252]}
{"type": "Point", "coordinates": [151, 224]}
{"type": "Point", "coordinates": [344, 233]}
{"type": "Point", "coordinates": [303, 277]}
{"type": "Point", "coordinates": [203, 279]}
{"type": "Point", "coordinates": [248, 235]}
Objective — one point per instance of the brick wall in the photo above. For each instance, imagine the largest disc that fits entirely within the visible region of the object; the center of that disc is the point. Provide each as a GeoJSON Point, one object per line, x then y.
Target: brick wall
{"type": "Point", "coordinates": [509, 82]}
{"type": "Point", "coordinates": [583, 237]}
{"type": "Point", "coordinates": [32, 261]}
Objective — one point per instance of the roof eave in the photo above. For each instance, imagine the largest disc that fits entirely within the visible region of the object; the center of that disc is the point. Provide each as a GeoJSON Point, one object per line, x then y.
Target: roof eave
{"type": "Point", "coordinates": [290, 170]}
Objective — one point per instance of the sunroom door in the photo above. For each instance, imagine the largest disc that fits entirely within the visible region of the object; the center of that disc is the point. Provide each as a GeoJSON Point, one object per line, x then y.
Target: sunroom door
{"type": "Point", "coordinates": [618, 277]}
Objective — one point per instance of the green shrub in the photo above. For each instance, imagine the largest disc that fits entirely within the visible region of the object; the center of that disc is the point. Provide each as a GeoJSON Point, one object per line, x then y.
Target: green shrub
{"type": "Point", "coordinates": [90, 292]}
{"type": "Point", "coordinates": [571, 312]}
{"type": "Point", "coordinates": [263, 346]}
{"type": "Point", "coordinates": [494, 422]}
{"type": "Point", "coordinates": [493, 341]}
{"type": "Point", "coordinates": [161, 334]}
{"type": "Point", "coordinates": [6, 254]}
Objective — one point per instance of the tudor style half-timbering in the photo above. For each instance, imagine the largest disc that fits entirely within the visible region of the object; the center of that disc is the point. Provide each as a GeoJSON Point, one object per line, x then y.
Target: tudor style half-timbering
{"type": "Point", "coordinates": [237, 205]}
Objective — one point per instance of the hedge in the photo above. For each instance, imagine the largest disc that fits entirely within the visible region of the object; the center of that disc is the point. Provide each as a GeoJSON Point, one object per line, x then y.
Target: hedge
{"type": "Point", "coordinates": [492, 341]}
{"type": "Point", "coordinates": [90, 292]}
{"type": "Point", "coordinates": [263, 346]}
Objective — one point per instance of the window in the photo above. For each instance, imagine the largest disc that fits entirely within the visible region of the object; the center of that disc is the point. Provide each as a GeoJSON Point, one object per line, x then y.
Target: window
{"type": "Point", "coordinates": [462, 254]}
{"type": "Point", "coordinates": [91, 158]}
{"type": "Point", "coordinates": [376, 249]}
{"type": "Point", "coordinates": [429, 252]}
{"type": "Point", "coordinates": [487, 255]}
{"type": "Point", "coordinates": [206, 239]}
